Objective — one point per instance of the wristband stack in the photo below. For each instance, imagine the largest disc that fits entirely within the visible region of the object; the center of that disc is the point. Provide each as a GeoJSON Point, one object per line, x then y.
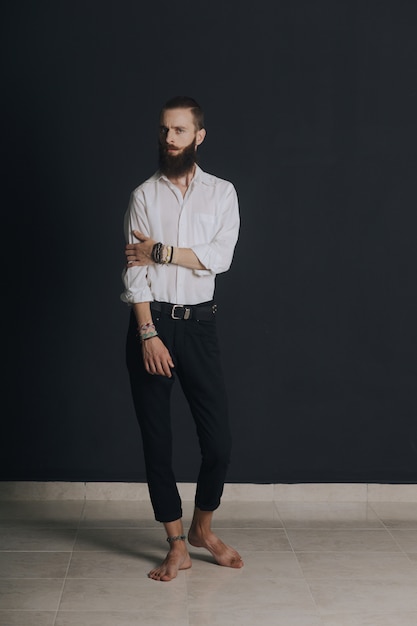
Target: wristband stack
{"type": "Point", "coordinates": [162, 254]}
{"type": "Point", "coordinates": [147, 331]}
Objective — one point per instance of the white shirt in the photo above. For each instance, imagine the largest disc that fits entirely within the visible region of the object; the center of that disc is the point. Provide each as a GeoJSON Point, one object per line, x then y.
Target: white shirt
{"type": "Point", "coordinates": [206, 220]}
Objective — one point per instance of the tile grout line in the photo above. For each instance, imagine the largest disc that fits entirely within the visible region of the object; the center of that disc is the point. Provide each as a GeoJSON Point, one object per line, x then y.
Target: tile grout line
{"type": "Point", "coordinates": [296, 492]}
{"type": "Point", "coordinates": [389, 530]}
{"type": "Point", "coordinates": [317, 610]}
{"type": "Point", "coordinates": [69, 561]}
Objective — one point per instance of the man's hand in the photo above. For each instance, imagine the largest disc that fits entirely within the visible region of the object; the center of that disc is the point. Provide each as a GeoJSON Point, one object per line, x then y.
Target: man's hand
{"type": "Point", "coordinates": [139, 253]}
{"type": "Point", "coordinates": [156, 357]}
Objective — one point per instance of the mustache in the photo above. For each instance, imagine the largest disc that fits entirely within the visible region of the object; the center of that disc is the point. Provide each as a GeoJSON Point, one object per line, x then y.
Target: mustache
{"type": "Point", "coordinates": [166, 147]}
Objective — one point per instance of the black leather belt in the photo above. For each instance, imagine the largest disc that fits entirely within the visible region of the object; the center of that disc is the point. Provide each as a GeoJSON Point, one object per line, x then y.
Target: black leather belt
{"type": "Point", "coordinates": [186, 311]}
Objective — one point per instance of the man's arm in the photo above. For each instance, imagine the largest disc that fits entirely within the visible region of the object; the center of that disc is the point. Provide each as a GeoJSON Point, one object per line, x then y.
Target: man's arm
{"type": "Point", "coordinates": [156, 356]}
{"type": "Point", "coordinates": [140, 254]}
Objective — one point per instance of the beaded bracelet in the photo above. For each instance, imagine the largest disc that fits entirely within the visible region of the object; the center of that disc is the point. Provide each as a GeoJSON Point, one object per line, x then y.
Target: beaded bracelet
{"type": "Point", "coordinates": [157, 250]}
{"type": "Point", "coordinates": [177, 538]}
{"type": "Point", "coordinates": [162, 254]}
{"type": "Point", "coordinates": [144, 328]}
{"type": "Point", "coordinates": [147, 331]}
{"type": "Point", "coordinates": [149, 335]}
{"type": "Point", "coordinates": [168, 255]}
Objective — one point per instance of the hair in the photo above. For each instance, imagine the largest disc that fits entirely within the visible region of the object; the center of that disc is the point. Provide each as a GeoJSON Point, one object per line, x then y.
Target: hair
{"type": "Point", "coordinates": [185, 102]}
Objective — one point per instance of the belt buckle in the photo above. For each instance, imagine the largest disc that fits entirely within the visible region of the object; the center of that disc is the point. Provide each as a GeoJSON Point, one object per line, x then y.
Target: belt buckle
{"type": "Point", "coordinates": [185, 316]}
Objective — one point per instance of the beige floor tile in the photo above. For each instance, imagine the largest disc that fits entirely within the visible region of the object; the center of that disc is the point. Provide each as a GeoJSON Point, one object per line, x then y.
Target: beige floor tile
{"type": "Point", "coordinates": [247, 515]}
{"type": "Point", "coordinates": [391, 493]}
{"type": "Point", "coordinates": [118, 514]}
{"type": "Point", "coordinates": [187, 512]}
{"type": "Point", "coordinates": [204, 567]}
{"type": "Point", "coordinates": [34, 564]}
{"type": "Point", "coordinates": [35, 595]}
{"type": "Point", "coordinates": [126, 595]}
{"type": "Point", "coordinates": [111, 565]}
{"type": "Point", "coordinates": [122, 491]}
{"type": "Point", "coordinates": [257, 565]}
{"type": "Point", "coordinates": [42, 490]}
{"type": "Point", "coordinates": [256, 539]}
{"type": "Point", "coordinates": [363, 596]}
{"type": "Point", "coordinates": [122, 540]}
{"type": "Point", "coordinates": [264, 594]}
{"type": "Point", "coordinates": [50, 539]}
{"type": "Point", "coordinates": [391, 619]}
{"type": "Point", "coordinates": [27, 618]}
{"type": "Point", "coordinates": [320, 492]}
{"type": "Point", "coordinates": [253, 616]}
{"type": "Point", "coordinates": [44, 513]}
{"type": "Point", "coordinates": [329, 515]}
{"type": "Point", "coordinates": [355, 565]}
{"type": "Point", "coordinates": [119, 618]}
{"type": "Point", "coordinates": [271, 565]}
{"type": "Point", "coordinates": [397, 514]}
{"type": "Point", "coordinates": [406, 539]}
{"type": "Point", "coordinates": [246, 492]}
{"type": "Point", "coordinates": [306, 540]}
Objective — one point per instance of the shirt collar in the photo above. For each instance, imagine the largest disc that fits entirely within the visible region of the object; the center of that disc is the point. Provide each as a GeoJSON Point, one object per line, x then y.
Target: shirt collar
{"type": "Point", "coordinates": [199, 176]}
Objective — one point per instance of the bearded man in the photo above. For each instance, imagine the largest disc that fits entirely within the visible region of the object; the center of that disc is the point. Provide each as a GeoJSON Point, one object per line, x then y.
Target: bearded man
{"type": "Point", "coordinates": [181, 226]}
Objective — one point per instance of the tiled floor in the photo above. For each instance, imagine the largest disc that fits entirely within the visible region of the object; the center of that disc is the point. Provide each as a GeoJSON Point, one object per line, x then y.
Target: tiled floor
{"type": "Point", "coordinates": [84, 563]}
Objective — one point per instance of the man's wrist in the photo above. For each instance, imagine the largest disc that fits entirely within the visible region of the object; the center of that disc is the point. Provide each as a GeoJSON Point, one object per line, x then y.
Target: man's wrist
{"type": "Point", "coordinates": [162, 254]}
{"type": "Point", "coordinates": [147, 331]}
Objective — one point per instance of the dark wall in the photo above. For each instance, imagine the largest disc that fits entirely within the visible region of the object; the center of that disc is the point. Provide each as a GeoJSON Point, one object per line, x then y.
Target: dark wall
{"type": "Point", "coordinates": [311, 112]}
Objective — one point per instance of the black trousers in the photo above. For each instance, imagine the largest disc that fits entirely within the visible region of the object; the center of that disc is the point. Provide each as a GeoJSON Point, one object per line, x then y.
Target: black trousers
{"type": "Point", "coordinates": [193, 346]}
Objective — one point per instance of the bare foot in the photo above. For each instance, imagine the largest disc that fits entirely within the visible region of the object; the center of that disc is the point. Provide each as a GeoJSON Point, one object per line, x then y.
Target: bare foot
{"type": "Point", "coordinates": [176, 559]}
{"type": "Point", "coordinates": [223, 554]}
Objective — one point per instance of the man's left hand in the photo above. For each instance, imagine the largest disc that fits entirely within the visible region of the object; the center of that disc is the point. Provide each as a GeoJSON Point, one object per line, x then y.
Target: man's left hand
{"type": "Point", "coordinates": [139, 253]}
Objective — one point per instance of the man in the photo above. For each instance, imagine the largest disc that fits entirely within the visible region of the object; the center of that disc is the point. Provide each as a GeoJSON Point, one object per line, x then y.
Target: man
{"type": "Point", "coordinates": [182, 227]}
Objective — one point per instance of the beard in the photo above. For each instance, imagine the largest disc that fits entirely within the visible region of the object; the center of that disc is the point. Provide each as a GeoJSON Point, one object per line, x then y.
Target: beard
{"type": "Point", "coordinates": [178, 164]}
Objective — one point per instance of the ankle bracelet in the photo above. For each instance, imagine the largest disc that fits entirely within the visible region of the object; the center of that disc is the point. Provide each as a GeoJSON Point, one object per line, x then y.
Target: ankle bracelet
{"type": "Point", "coordinates": [177, 538]}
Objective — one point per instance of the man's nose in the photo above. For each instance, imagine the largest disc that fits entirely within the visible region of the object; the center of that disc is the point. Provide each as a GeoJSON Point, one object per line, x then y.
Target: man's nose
{"type": "Point", "coordinates": [170, 136]}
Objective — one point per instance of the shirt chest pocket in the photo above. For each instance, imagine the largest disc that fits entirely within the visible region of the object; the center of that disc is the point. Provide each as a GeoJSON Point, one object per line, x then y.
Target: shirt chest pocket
{"type": "Point", "coordinates": [204, 227]}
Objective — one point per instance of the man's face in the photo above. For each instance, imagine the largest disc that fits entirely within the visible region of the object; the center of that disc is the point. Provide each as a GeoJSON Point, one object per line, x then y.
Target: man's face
{"type": "Point", "coordinates": [178, 141]}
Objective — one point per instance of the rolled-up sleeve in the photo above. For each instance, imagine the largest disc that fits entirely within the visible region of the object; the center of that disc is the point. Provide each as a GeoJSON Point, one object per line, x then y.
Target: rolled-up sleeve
{"type": "Point", "coordinates": [135, 278]}
{"type": "Point", "coordinates": [217, 254]}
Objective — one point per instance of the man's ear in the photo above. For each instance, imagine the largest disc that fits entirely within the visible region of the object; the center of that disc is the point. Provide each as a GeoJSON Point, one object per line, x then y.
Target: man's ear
{"type": "Point", "coordinates": [200, 136]}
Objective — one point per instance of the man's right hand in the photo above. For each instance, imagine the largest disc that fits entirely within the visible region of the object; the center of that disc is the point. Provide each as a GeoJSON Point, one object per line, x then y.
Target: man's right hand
{"type": "Point", "coordinates": [156, 357]}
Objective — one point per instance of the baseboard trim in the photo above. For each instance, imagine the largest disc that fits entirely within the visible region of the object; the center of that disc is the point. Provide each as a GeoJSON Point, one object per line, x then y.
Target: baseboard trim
{"type": "Point", "coordinates": [302, 492]}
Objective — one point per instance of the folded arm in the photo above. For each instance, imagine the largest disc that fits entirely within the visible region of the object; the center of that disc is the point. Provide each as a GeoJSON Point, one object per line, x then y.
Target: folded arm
{"type": "Point", "coordinates": [140, 254]}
